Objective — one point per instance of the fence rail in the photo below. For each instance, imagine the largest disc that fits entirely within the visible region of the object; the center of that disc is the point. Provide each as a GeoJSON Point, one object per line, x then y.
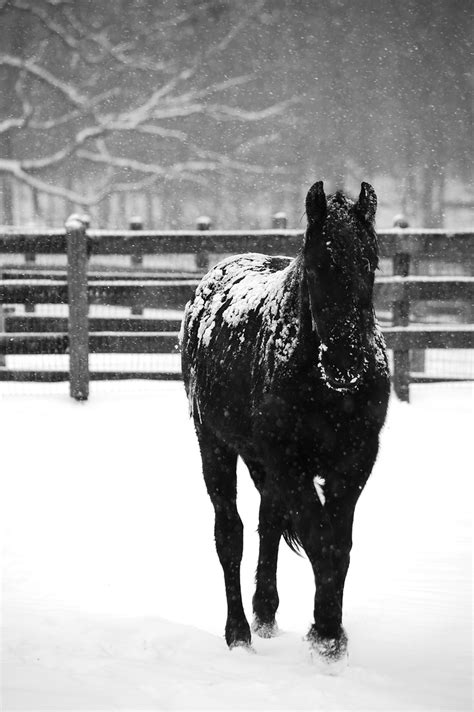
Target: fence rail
{"type": "Point", "coordinates": [174, 293]}
{"type": "Point", "coordinates": [128, 342]}
{"type": "Point", "coordinates": [411, 241]}
{"type": "Point", "coordinates": [81, 284]}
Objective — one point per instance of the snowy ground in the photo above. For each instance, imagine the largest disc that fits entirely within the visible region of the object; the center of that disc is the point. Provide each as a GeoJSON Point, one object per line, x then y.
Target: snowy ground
{"type": "Point", "coordinates": [112, 592]}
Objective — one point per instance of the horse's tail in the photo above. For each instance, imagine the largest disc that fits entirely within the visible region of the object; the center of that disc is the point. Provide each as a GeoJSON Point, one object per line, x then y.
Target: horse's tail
{"type": "Point", "coordinates": [292, 538]}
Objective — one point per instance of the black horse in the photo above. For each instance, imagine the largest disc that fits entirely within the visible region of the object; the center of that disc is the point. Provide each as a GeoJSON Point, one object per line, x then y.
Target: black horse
{"type": "Point", "coordinates": [284, 365]}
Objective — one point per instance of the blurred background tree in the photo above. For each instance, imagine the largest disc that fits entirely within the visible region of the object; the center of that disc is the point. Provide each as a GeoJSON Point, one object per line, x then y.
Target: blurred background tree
{"type": "Point", "coordinates": [173, 108]}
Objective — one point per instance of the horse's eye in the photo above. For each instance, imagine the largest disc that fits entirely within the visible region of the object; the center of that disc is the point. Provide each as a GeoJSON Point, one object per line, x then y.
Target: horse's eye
{"type": "Point", "coordinates": [367, 264]}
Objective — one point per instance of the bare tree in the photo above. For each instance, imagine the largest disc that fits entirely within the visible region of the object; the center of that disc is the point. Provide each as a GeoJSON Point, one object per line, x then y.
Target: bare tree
{"type": "Point", "coordinates": [101, 98]}
{"type": "Point", "coordinates": [194, 99]}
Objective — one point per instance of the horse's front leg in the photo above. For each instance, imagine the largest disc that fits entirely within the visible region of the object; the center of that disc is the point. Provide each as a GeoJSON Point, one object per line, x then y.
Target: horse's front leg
{"type": "Point", "coordinates": [341, 501]}
{"type": "Point", "coordinates": [342, 518]}
{"type": "Point", "coordinates": [265, 601]}
{"type": "Point", "coordinates": [315, 531]}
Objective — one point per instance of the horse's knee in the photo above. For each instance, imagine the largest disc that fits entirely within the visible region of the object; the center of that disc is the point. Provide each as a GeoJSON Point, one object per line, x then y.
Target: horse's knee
{"type": "Point", "coordinates": [228, 532]}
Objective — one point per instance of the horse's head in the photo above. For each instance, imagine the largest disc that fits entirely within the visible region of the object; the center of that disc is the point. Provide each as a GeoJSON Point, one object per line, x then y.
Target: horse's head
{"type": "Point", "coordinates": [340, 257]}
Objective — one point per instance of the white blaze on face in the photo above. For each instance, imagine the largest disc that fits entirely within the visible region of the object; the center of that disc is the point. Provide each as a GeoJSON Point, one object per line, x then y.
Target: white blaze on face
{"type": "Point", "coordinates": [319, 483]}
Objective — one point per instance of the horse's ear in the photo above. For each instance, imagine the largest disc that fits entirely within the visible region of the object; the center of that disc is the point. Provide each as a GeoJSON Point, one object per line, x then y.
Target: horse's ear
{"type": "Point", "coordinates": [316, 206]}
{"type": "Point", "coordinates": [367, 203]}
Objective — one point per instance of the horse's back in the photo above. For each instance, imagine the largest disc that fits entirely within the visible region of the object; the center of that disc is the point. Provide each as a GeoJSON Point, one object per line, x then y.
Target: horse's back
{"type": "Point", "coordinates": [221, 327]}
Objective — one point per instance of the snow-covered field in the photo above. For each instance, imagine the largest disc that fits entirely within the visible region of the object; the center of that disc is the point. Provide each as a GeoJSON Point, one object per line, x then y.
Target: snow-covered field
{"type": "Point", "coordinates": [113, 596]}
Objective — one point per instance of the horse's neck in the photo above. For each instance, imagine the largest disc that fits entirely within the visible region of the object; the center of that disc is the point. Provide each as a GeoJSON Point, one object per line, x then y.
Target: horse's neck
{"type": "Point", "coordinates": [301, 302]}
{"type": "Point", "coordinates": [291, 291]}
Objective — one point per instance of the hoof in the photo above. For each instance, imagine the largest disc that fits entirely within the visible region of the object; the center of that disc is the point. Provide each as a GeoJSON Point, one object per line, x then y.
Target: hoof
{"type": "Point", "coordinates": [243, 645]}
{"type": "Point", "coordinates": [237, 634]}
{"type": "Point", "coordinates": [329, 654]}
{"type": "Point", "coordinates": [265, 630]}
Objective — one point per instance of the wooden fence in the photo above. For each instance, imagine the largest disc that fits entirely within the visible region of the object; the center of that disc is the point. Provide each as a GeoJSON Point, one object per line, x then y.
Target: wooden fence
{"type": "Point", "coordinates": [137, 287]}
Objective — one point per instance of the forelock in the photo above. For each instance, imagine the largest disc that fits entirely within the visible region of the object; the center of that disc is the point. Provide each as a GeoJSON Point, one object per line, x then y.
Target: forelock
{"type": "Point", "coordinates": [343, 232]}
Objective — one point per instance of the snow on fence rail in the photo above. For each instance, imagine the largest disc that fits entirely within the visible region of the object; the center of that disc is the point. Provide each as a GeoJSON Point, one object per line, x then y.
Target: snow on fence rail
{"type": "Point", "coordinates": [79, 284]}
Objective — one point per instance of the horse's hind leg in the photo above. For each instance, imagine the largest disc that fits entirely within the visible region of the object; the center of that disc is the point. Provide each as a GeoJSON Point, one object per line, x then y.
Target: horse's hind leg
{"type": "Point", "coordinates": [219, 468]}
{"type": "Point", "coordinates": [266, 600]}
{"type": "Point", "coordinates": [270, 528]}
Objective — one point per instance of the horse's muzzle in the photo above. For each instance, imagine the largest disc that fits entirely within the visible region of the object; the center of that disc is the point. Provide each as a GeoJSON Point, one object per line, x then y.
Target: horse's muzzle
{"type": "Point", "coordinates": [341, 378]}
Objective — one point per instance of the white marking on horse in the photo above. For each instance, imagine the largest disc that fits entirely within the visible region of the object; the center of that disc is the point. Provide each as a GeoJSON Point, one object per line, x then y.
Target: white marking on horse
{"type": "Point", "coordinates": [319, 483]}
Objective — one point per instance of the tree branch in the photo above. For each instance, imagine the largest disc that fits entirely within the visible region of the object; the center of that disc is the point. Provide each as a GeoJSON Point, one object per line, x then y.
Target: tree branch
{"type": "Point", "coordinates": [117, 52]}
{"type": "Point", "coordinates": [231, 113]}
{"type": "Point", "coordinates": [238, 27]}
{"type": "Point", "coordinates": [51, 24]}
{"type": "Point", "coordinates": [14, 168]}
{"type": "Point", "coordinates": [27, 65]}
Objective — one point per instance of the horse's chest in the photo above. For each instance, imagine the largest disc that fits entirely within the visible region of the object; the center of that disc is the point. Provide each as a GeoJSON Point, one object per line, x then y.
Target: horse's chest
{"type": "Point", "coordinates": [305, 424]}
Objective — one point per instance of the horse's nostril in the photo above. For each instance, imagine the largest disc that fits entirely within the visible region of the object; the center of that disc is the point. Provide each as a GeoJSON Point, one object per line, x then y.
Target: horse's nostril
{"type": "Point", "coordinates": [345, 380]}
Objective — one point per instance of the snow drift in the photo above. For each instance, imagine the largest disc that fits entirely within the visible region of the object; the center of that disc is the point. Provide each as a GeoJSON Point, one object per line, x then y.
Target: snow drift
{"type": "Point", "coordinates": [98, 612]}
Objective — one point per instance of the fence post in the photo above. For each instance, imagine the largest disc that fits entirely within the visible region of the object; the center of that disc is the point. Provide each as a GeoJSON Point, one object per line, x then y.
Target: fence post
{"type": "Point", "coordinates": [279, 221]}
{"type": "Point", "coordinates": [30, 259]}
{"type": "Point", "coordinates": [401, 317]}
{"type": "Point", "coordinates": [78, 308]}
{"type": "Point", "coordinates": [3, 359]}
{"type": "Point", "coordinates": [136, 223]}
{"type": "Point", "coordinates": [202, 256]}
